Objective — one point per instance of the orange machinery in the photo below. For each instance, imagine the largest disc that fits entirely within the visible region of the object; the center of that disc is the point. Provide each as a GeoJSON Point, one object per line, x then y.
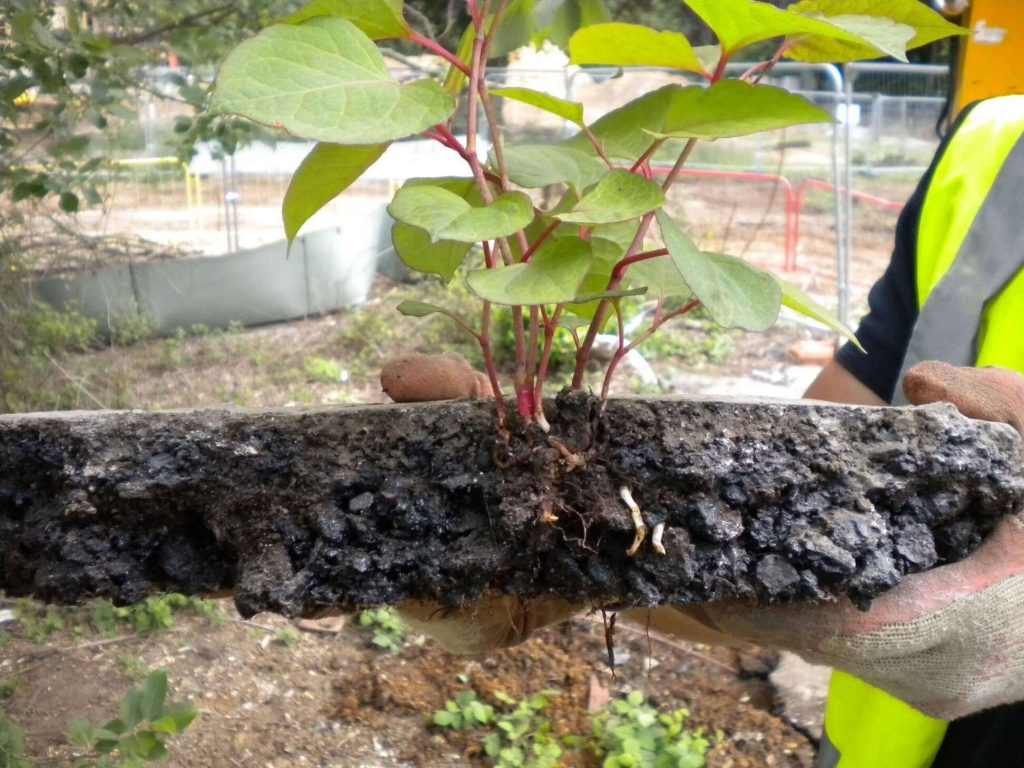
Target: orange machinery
{"type": "Point", "coordinates": [991, 58]}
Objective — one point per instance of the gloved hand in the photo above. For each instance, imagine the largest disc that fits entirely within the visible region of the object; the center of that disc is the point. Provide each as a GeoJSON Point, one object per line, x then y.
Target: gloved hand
{"type": "Point", "coordinates": [950, 641]}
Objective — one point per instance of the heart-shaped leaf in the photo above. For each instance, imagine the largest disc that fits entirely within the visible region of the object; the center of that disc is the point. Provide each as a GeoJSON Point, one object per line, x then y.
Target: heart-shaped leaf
{"type": "Point", "coordinates": [632, 45]}
{"type": "Point", "coordinates": [325, 80]}
{"type": "Point", "coordinates": [887, 38]}
{"type": "Point", "coordinates": [324, 174]}
{"type": "Point", "coordinates": [412, 308]}
{"type": "Point", "coordinates": [540, 165]}
{"type": "Point", "coordinates": [799, 301]}
{"type": "Point", "coordinates": [379, 19]}
{"type": "Point", "coordinates": [889, 26]}
{"type": "Point", "coordinates": [416, 250]}
{"type": "Point", "coordinates": [447, 216]}
{"type": "Point", "coordinates": [734, 108]}
{"type": "Point", "coordinates": [551, 277]}
{"type": "Point", "coordinates": [734, 293]}
{"type": "Point", "coordinates": [618, 196]}
{"type": "Point", "coordinates": [567, 110]}
{"type": "Point", "coordinates": [740, 23]}
{"type": "Point", "coordinates": [662, 276]}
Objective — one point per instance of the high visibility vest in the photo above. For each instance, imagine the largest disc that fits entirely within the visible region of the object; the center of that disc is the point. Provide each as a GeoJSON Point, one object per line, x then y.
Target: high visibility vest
{"type": "Point", "coordinates": [970, 289]}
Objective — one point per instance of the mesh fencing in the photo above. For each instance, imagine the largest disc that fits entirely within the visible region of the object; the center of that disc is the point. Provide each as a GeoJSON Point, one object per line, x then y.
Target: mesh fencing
{"type": "Point", "coordinates": [770, 197]}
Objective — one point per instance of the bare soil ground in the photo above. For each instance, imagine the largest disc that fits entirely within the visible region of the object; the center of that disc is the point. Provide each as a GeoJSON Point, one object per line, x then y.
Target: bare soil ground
{"type": "Point", "coordinates": [333, 700]}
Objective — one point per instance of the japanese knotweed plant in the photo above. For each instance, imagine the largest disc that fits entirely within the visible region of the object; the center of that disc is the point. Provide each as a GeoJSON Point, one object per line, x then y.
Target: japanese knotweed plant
{"type": "Point", "coordinates": [319, 75]}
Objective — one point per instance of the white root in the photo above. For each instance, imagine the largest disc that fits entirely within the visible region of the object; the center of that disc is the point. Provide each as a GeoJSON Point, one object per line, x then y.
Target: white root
{"type": "Point", "coordinates": [638, 521]}
{"type": "Point", "coordinates": [540, 419]}
{"type": "Point", "coordinates": [656, 534]}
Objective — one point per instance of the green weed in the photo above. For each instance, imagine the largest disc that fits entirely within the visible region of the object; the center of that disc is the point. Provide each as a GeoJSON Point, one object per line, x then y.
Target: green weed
{"type": "Point", "coordinates": [388, 629]}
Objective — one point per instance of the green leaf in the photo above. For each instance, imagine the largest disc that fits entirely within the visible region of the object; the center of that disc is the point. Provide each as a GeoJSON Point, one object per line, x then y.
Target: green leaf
{"type": "Point", "coordinates": [661, 275]}
{"type": "Point", "coordinates": [726, 108]}
{"type": "Point", "coordinates": [740, 23]}
{"type": "Point", "coordinates": [887, 38]}
{"type": "Point", "coordinates": [154, 693]}
{"type": "Point", "coordinates": [632, 45]}
{"type": "Point", "coordinates": [734, 293]}
{"type": "Point", "coordinates": [446, 216]}
{"type": "Point", "coordinates": [175, 720]}
{"type": "Point", "coordinates": [567, 110]}
{"type": "Point", "coordinates": [618, 196]}
{"type": "Point", "coordinates": [621, 131]}
{"type": "Point", "coordinates": [891, 26]}
{"type": "Point", "coordinates": [551, 277]}
{"type": "Point", "coordinates": [417, 251]}
{"type": "Point", "coordinates": [557, 20]}
{"type": "Point", "coordinates": [68, 202]}
{"type": "Point", "coordinates": [131, 709]}
{"type": "Point", "coordinates": [444, 719]}
{"type": "Point", "coordinates": [325, 173]}
{"type": "Point", "coordinates": [734, 108]}
{"type": "Point", "coordinates": [618, 294]}
{"type": "Point", "coordinates": [379, 19]}
{"type": "Point", "coordinates": [81, 732]}
{"type": "Point", "coordinates": [541, 165]}
{"type": "Point", "coordinates": [799, 301]}
{"type": "Point", "coordinates": [413, 308]}
{"type": "Point", "coordinates": [325, 80]}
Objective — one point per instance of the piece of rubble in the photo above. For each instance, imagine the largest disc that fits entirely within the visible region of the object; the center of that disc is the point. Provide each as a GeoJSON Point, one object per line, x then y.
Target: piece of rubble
{"type": "Point", "coordinates": [301, 510]}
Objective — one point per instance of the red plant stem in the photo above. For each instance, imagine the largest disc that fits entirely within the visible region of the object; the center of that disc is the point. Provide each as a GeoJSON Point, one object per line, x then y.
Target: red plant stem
{"type": "Point", "coordinates": [640, 161]}
{"type": "Point", "coordinates": [540, 240]}
{"type": "Point", "coordinates": [440, 50]}
{"type": "Point", "coordinates": [597, 146]}
{"type": "Point", "coordinates": [488, 255]}
{"type": "Point", "coordinates": [545, 357]}
{"type": "Point", "coordinates": [720, 69]}
{"type": "Point", "coordinates": [625, 350]}
{"type": "Point", "coordinates": [765, 67]}
{"type": "Point", "coordinates": [583, 356]}
{"type": "Point", "coordinates": [492, 371]}
{"type": "Point", "coordinates": [474, 14]}
{"type": "Point", "coordinates": [531, 347]}
{"type": "Point", "coordinates": [622, 266]}
{"type": "Point", "coordinates": [524, 394]}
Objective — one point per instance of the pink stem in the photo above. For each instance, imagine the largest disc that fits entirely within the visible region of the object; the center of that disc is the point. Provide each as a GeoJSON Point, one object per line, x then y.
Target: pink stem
{"type": "Point", "coordinates": [440, 50]}
{"type": "Point", "coordinates": [540, 240]}
{"type": "Point", "coordinates": [620, 268]}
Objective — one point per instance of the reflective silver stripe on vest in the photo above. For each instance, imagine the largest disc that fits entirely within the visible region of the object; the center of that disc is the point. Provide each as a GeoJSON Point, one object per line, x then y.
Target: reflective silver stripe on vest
{"type": "Point", "coordinates": [990, 256]}
{"type": "Point", "coordinates": [828, 755]}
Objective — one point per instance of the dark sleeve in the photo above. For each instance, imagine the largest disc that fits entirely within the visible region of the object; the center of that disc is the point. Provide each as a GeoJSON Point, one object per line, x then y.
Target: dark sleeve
{"type": "Point", "coordinates": [892, 303]}
{"type": "Point", "coordinates": [892, 310]}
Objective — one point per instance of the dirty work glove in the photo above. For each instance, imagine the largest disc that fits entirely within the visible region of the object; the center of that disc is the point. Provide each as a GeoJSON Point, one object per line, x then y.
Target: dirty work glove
{"type": "Point", "coordinates": [496, 620]}
{"type": "Point", "coordinates": [950, 641]}
{"type": "Point", "coordinates": [416, 378]}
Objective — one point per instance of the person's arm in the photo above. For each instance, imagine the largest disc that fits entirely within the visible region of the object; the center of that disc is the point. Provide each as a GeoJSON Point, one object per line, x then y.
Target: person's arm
{"type": "Point", "coordinates": [835, 384]}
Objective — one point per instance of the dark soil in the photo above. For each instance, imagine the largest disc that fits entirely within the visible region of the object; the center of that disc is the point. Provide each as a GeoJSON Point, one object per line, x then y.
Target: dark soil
{"type": "Point", "coordinates": [304, 510]}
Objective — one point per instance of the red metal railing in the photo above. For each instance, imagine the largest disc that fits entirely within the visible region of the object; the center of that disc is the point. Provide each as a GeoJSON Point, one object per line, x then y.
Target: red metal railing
{"type": "Point", "coordinates": [818, 184]}
{"type": "Point", "coordinates": [794, 202]}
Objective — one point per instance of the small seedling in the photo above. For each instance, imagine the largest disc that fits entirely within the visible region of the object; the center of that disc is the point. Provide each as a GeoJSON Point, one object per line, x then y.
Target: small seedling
{"type": "Point", "coordinates": [630, 732]}
{"type": "Point", "coordinates": [140, 735]}
{"type": "Point", "coordinates": [40, 622]}
{"type": "Point", "coordinates": [289, 637]}
{"type": "Point", "coordinates": [518, 736]}
{"type": "Point", "coordinates": [389, 630]}
{"type": "Point", "coordinates": [563, 268]}
{"type": "Point", "coordinates": [154, 614]}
